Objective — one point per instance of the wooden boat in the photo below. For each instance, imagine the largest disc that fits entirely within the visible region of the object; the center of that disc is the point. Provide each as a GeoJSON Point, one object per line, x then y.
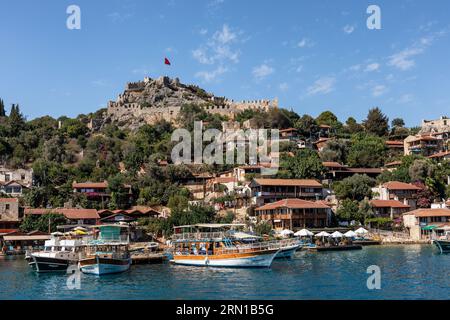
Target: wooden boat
{"type": "Point", "coordinates": [215, 249]}
{"type": "Point", "coordinates": [117, 260]}
{"type": "Point", "coordinates": [109, 253]}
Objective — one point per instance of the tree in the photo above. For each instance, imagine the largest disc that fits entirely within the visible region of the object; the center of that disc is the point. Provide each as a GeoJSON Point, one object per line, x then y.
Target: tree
{"type": "Point", "coordinates": [376, 123]}
{"type": "Point", "coordinates": [307, 126]}
{"type": "Point", "coordinates": [305, 164]}
{"type": "Point", "coordinates": [2, 108]}
{"type": "Point", "coordinates": [398, 122]}
{"type": "Point", "coordinates": [356, 187]}
{"type": "Point", "coordinates": [352, 126]}
{"type": "Point", "coordinates": [335, 150]}
{"type": "Point", "coordinates": [367, 151]}
{"type": "Point", "coordinates": [348, 210]}
{"type": "Point", "coordinates": [16, 121]}
{"type": "Point", "coordinates": [421, 169]}
{"type": "Point", "coordinates": [42, 222]}
{"type": "Point", "coordinates": [263, 228]}
{"type": "Point", "coordinates": [328, 118]}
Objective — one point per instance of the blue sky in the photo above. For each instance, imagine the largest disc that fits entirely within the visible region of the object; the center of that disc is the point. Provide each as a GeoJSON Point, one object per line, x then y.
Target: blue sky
{"type": "Point", "coordinates": [311, 55]}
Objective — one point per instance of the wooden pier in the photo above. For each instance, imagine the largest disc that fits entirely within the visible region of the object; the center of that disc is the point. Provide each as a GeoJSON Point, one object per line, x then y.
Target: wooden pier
{"type": "Point", "coordinates": [148, 258]}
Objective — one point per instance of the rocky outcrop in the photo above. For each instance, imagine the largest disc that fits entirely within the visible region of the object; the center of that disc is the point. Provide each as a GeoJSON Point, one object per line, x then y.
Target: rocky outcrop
{"type": "Point", "coordinates": [151, 100]}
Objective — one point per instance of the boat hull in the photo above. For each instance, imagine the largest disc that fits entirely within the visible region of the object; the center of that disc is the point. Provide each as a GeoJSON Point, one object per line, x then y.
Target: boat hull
{"type": "Point", "coordinates": [102, 266]}
{"type": "Point", "coordinates": [287, 253]}
{"type": "Point", "coordinates": [262, 259]}
{"type": "Point", "coordinates": [46, 264]}
{"type": "Point", "coordinates": [442, 245]}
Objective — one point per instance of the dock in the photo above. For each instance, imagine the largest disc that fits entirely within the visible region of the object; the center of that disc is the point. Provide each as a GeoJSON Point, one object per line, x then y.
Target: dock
{"type": "Point", "coordinates": [148, 258]}
{"type": "Point", "coordinates": [367, 242]}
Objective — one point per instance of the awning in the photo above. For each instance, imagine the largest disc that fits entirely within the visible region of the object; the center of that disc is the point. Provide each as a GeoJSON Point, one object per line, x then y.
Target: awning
{"type": "Point", "coordinates": [429, 227]}
{"type": "Point", "coordinates": [26, 238]}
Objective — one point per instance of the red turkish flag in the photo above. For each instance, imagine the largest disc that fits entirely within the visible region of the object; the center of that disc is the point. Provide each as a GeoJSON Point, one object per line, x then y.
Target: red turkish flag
{"type": "Point", "coordinates": [166, 61]}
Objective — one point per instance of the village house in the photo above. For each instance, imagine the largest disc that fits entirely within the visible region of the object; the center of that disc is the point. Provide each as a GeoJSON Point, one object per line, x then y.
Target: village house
{"type": "Point", "coordinates": [421, 222]}
{"type": "Point", "coordinates": [425, 145]}
{"type": "Point", "coordinates": [295, 214]}
{"type": "Point", "coordinates": [272, 190]}
{"type": "Point", "coordinates": [10, 213]}
{"type": "Point", "coordinates": [76, 216]}
{"type": "Point", "coordinates": [130, 215]}
{"type": "Point", "coordinates": [247, 172]}
{"type": "Point", "coordinates": [389, 208]}
{"type": "Point", "coordinates": [290, 134]}
{"type": "Point", "coordinates": [96, 191]}
{"type": "Point", "coordinates": [14, 181]}
{"type": "Point", "coordinates": [400, 191]}
{"type": "Point", "coordinates": [337, 171]}
{"type": "Point", "coordinates": [395, 148]}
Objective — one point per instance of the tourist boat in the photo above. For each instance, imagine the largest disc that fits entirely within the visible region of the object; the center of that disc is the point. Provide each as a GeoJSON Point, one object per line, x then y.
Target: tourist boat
{"type": "Point", "coordinates": [216, 249]}
{"type": "Point", "coordinates": [287, 246]}
{"type": "Point", "coordinates": [109, 253]}
{"type": "Point", "coordinates": [57, 255]}
{"type": "Point", "coordinates": [442, 242]}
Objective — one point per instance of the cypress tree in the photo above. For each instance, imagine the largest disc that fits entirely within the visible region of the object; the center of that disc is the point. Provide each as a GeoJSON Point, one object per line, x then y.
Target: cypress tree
{"type": "Point", "coordinates": [2, 108]}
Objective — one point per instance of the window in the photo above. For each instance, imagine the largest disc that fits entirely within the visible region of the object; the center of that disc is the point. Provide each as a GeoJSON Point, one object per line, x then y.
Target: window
{"type": "Point", "coordinates": [7, 207]}
{"type": "Point", "coordinates": [7, 177]}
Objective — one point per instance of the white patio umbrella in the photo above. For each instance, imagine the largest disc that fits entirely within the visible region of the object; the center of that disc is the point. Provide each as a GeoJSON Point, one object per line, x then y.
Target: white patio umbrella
{"type": "Point", "coordinates": [286, 232]}
{"type": "Point", "coordinates": [337, 234]}
{"type": "Point", "coordinates": [80, 229]}
{"type": "Point", "coordinates": [322, 234]}
{"type": "Point", "coordinates": [350, 234]}
{"type": "Point", "coordinates": [303, 233]}
{"type": "Point", "coordinates": [57, 234]}
{"type": "Point", "coordinates": [361, 231]}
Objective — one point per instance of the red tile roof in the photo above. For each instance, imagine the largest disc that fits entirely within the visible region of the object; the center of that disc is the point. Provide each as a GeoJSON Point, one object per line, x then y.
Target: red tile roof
{"type": "Point", "coordinates": [388, 204]}
{"type": "Point", "coordinates": [393, 163]}
{"type": "Point", "coordinates": [332, 164]}
{"type": "Point", "coordinates": [440, 154]}
{"type": "Point", "coordinates": [90, 185]}
{"type": "Point", "coordinates": [430, 213]}
{"type": "Point", "coordinates": [394, 143]}
{"type": "Point", "coordinates": [9, 200]}
{"type": "Point", "coordinates": [71, 214]}
{"type": "Point", "coordinates": [224, 179]}
{"type": "Point", "coordinates": [289, 182]}
{"type": "Point", "coordinates": [396, 185]}
{"type": "Point", "coordinates": [294, 204]}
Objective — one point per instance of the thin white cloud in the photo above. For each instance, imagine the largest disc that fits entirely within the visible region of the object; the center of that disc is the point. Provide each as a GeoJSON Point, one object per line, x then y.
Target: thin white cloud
{"type": "Point", "coordinates": [405, 59]}
{"type": "Point", "coordinates": [262, 71]}
{"type": "Point", "coordinates": [305, 43]}
{"type": "Point", "coordinates": [323, 85]}
{"type": "Point", "coordinates": [379, 90]}
{"type": "Point", "coordinates": [219, 48]}
{"type": "Point", "coordinates": [283, 86]}
{"type": "Point", "coordinates": [209, 76]}
{"type": "Point", "coordinates": [348, 29]}
{"type": "Point", "coordinates": [372, 67]}
{"type": "Point", "coordinates": [405, 98]}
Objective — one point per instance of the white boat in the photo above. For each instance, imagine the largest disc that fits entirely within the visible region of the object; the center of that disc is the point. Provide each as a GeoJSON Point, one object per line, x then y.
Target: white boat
{"type": "Point", "coordinates": [57, 255]}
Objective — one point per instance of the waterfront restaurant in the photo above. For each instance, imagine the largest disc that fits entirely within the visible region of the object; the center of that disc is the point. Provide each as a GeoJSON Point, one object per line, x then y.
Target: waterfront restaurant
{"type": "Point", "coordinates": [295, 214]}
{"type": "Point", "coordinates": [421, 222]}
{"type": "Point", "coordinates": [271, 190]}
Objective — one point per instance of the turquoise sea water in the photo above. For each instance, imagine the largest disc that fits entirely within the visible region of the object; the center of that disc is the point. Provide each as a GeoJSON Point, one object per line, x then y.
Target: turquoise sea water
{"type": "Point", "coordinates": [407, 272]}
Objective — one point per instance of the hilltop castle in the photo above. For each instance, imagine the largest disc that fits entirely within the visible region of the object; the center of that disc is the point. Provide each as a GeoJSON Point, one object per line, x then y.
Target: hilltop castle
{"type": "Point", "coordinates": [151, 100]}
